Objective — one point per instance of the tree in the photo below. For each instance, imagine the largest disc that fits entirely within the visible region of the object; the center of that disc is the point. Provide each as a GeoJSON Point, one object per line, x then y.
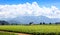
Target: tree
{"type": "Point", "coordinates": [43, 23]}
{"type": "Point", "coordinates": [30, 23]}
{"type": "Point", "coordinates": [57, 23]}
{"type": "Point", "coordinates": [40, 23]}
{"type": "Point", "coordinates": [50, 23]}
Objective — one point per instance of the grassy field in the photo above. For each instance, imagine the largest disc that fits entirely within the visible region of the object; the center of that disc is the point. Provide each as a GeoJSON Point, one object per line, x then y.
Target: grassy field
{"type": "Point", "coordinates": [5, 33]}
{"type": "Point", "coordinates": [32, 29]}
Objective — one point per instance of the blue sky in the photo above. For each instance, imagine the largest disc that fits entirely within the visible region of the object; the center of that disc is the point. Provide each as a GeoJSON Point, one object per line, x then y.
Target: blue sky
{"type": "Point", "coordinates": [40, 2]}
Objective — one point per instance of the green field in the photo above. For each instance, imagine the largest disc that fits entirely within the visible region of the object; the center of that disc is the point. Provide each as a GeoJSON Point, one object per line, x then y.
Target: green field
{"type": "Point", "coordinates": [32, 29]}
{"type": "Point", "coordinates": [5, 33]}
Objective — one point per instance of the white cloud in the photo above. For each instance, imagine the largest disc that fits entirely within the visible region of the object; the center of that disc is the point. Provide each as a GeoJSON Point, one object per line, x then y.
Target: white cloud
{"type": "Point", "coordinates": [27, 9]}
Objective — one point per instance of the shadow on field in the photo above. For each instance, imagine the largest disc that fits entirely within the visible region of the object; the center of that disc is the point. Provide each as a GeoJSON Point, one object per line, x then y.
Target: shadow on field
{"type": "Point", "coordinates": [34, 33]}
{"type": "Point", "coordinates": [46, 33]}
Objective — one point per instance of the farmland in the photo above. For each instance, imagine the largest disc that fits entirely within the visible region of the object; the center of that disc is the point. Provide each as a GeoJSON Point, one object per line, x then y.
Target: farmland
{"type": "Point", "coordinates": [6, 33]}
{"type": "Point", "coordinates": [32, 29]}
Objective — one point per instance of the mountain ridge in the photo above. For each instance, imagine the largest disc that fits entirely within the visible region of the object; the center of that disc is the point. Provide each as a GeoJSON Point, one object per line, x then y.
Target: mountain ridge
{"type": "Point", "coordinates": [35, 19]}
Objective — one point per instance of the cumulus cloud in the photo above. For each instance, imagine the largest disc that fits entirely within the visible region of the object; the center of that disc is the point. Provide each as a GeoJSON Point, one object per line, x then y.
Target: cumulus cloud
{"type": "Point", "coordinates": [27, 9]}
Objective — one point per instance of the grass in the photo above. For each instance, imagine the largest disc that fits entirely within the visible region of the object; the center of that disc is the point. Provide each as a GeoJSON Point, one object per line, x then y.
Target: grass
{"type": "Point", "coordinates": [33, 29]}
{"type": "Point", "coordinates": [5, 33]}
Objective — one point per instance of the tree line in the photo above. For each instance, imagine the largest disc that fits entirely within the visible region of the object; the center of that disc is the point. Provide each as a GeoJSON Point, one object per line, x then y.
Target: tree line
{"type": "Point", "coordinates": [43, 23]}
{"type": "Point", "coordinates": [31, 23]}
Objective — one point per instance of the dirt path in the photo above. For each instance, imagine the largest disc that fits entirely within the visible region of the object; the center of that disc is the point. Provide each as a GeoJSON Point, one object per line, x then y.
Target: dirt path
{"type": "Point", "coordinates": [16, 33]}
{"type": "Point", "coordinates": [23, 34]}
